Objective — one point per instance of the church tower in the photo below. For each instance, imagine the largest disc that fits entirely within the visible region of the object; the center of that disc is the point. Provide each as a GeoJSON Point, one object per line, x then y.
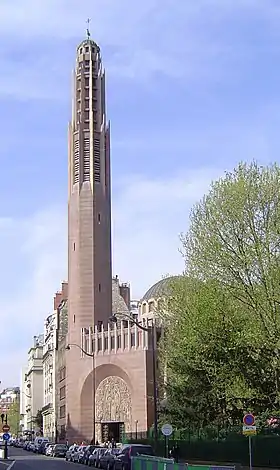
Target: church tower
{"type": "Point", "coordinates": [89, 209]}
{"type": "Point", "coordinates": [89, 213]}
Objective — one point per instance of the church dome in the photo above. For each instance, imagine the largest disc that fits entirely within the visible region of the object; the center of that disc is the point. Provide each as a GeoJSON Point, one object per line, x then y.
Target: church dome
{"type": "Point", "coordinates": [160, 289]}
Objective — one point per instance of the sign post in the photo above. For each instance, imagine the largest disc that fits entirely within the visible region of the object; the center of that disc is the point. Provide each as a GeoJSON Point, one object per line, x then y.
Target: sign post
{"type": "Point", "coordinates": [166, 430]}
{"type": "Point", "coordinates": [249, 429]}
{"type": "Point", "coordinates": [6, 437]}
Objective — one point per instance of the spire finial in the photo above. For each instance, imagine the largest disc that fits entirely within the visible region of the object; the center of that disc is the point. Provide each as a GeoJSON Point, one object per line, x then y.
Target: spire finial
{"type": "Point", "coordinates": [88, 31]}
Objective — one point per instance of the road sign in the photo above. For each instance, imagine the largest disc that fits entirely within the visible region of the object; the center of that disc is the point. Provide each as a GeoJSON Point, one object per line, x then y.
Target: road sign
{"type": "Point", "coordinates": [249, 430]}
{"type": "Point", "coordinates": [6, 436]}
{"type": "Point", "coordinates": [167, 430]}
{"type": "Point", "coordinates": [249, 419]}
{"type": "Point", "coordinates": [5, 428]}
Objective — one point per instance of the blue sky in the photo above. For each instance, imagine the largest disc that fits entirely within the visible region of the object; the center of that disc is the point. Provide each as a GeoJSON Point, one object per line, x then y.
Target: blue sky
{"type": "Point", "coordinates": [192, 88]}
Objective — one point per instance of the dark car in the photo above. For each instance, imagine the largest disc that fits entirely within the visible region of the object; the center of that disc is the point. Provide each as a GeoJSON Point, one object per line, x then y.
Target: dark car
{"type": "Point", "coordinates": [70, 452]}
{"type": "Point", "coordinates": [42, 448]}
{"type": "Point", "coordinates": [78, 453]}
{"type": "Point", "coordinates": [123, 459]}
{"type": "Point", "coordinates": [94, 458]}
{"type": "Point", "coordinates": [107, 460]}
{"type": "Point", "coordinates": [87, 452]}
{"type": "Point", "coordinates": [59, 450]}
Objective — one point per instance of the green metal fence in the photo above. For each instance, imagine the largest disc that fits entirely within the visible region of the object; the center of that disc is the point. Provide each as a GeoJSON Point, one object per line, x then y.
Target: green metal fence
{"type": "Point", "coordinates": [233, 449]}
{"type": "Point", "coordinates": [145, 462]}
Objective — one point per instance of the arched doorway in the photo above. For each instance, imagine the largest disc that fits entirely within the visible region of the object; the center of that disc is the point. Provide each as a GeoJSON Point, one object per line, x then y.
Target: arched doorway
{"type": "Point", "coordinates": [113, 408]}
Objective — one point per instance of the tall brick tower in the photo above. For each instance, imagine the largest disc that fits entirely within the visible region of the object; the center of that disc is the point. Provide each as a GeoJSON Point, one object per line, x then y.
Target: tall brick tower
{"type": "Point", "coordinates": [89, 212]}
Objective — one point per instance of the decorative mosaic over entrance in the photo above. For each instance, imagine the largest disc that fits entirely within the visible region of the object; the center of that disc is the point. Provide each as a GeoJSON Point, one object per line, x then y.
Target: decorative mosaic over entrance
{"type": "Point", "coordinates": [113, 402]}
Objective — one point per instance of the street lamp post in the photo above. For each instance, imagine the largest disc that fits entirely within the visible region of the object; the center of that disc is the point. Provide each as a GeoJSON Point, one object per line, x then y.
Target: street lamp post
{"type": "Point", "coordinates": [68, 347]}
{"type": "Point", "coordinates": [114, 319]}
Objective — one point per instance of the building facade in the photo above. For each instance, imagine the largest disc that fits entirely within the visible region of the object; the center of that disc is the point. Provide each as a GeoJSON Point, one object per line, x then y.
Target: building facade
{"type": "Point", "coordinates": [49, 360]}
{"type": "Point", "coordinates": [89, 213]}
{"type": "Point", "coordinates": [60, 374]}
{"type": "Point", "coordinates": [8, 398]}
{"type": "Point", "coordinates": [32, 390]}
{"type": "Point", "coordinates": [52, 335]}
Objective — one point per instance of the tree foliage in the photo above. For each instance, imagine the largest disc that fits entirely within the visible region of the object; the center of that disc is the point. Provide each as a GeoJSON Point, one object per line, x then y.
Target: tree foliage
{"type": "Point", "coordinates": [221, 345]}
{"type": "Point", "coordinates": [14, 417]}
{"type": "Point", "coordinates": [234, 238]}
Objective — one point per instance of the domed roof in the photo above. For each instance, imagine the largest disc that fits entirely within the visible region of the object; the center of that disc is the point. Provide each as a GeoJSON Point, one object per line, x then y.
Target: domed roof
{"type": "Point", "coordinates": [88, 42]}
{"type": "Point", "coordinates": [159, 289]}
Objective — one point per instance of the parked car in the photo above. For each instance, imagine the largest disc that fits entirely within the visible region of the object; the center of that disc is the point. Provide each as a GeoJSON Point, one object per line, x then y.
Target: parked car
{"type": "Point", "coordinates": [31, 447]}
{"type": "Point", "coordinates": [87, 452]}
{"type": "Point", "coordinates": [70, 453]}
{"type": "Point", "coordinates": [49, 450]}
{"type": "Point", "coordinates": [42, 448]}
{"type": "Point", "coordinates": [123, 459]}
{"type": "Point", "coordinates": [107, 460]}
{"type": "Point", "coordinates": [78, 454]}
{"type": "Point", "coordinates": [59, 450]}
{"type": "Point", "coordinates": [94, 458]}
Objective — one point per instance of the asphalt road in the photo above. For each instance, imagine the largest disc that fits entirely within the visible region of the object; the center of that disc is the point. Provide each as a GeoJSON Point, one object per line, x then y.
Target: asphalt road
{"type": "Point", "coordinates": [23, 460]}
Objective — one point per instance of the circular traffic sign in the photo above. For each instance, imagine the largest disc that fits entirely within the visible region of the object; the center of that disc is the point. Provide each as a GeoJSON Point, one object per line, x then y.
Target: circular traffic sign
{"type": "Point", "coordinates": [167, 430]}
{"type": "Point", "coordinates": [6, 436]}
{"type": "Point", "coordinates": [249, 419]}
{"type": "Point", "coordinates": [6, 428]}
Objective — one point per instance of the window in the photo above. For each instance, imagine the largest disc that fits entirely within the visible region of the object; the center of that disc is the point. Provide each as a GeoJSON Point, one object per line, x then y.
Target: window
{"type": "Point", "coordinates": [76, 161]}
{"type": "Point", "coordinates": [86, 174]}
{"type": "Point", "coordinates": [74, 319]}
{"type": "Point", "coordinates": [62, 392]}
{"type": "Point", "coordinates": [96, 152]}
{"type": "Point", "coordinates": [63, 432]}
{"type": "Point", "coordinates": [62, 411]}
{"type": "Point", "coordinates": [99, 218]}
{"type": "Point", "coordinates": [74, 246]}
{"type": "Point", "coordinates": [62, 373]}
{"type": "Point", "coordinates": [99, 287]}
{"type": "Point", "coordinates": [86, 63]}
{"type": "Point", "coordinates": [86, 81]}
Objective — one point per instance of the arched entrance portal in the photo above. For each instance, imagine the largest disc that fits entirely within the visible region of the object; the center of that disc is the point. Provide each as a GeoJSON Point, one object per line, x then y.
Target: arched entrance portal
{"type": "Point", "coordinates": [113, 408]}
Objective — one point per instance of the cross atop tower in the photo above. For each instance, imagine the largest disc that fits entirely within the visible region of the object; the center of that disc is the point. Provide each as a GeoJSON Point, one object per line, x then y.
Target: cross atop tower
{"type": "Point", "coordinates": [88, 31]}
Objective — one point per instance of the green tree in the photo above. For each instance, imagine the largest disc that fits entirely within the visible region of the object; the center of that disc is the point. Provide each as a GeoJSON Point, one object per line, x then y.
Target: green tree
{"type": "Point", "coordinates": [221, 342]}
{"type": "Point", "coordinates": [234, 238]}
{"type": "Point", "coordinates": [14, 417]}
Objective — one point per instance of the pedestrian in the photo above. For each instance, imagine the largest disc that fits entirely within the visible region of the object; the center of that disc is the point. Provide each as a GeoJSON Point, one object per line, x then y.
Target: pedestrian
{"type": "Point", "coordinates": [176, 452]}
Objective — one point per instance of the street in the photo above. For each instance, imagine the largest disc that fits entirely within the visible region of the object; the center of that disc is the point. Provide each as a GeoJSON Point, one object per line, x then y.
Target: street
{"type": "Point", "coordinates": [22, 460]}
